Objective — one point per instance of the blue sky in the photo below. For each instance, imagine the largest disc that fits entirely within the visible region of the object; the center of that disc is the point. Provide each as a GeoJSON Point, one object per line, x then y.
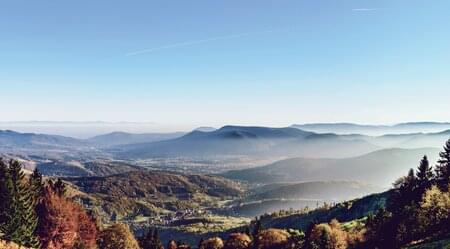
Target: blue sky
{"type": "Point", "coordinates": [209, 62]}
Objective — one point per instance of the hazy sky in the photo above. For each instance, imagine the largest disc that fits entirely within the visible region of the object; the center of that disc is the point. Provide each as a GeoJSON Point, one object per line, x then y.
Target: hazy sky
{"type": "Point", "coordinates": [233, 61]}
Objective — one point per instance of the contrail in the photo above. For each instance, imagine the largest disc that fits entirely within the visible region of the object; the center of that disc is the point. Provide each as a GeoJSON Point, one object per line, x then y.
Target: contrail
{"type": "Point", "coordinates": [195, 42]}
{"type": "Point", "coordinates": [363, 9]}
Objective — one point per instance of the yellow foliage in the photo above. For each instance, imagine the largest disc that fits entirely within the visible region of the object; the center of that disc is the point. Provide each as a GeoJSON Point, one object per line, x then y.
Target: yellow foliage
{"type": "Point", "coordinates": [329, 235]}
{"type": "Point", "coordinates": [436, 203]}
{"type": "Point", "coordinates": [117, 236]}
{"type": "Point", "coordinates": [10, 245]}
{"type": "Point", "coordinates": [238, 241]}
{"type": "Point", "coordinates": [272, 239]}
{"type": "Point", "coordinates": [212, 243]}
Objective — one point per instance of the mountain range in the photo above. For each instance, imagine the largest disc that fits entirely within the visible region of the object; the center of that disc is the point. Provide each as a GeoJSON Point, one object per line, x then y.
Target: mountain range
{"type": "Point", "coordinates": [374, 130]}
{"type": "Point", "coordinates": [262, 142]}
{"type": "Point", "coordinates": [254, 141]}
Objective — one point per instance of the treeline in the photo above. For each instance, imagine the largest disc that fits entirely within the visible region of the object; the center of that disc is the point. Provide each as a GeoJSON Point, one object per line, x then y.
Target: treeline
{"type": "Point", "coordinates": [418, 210]}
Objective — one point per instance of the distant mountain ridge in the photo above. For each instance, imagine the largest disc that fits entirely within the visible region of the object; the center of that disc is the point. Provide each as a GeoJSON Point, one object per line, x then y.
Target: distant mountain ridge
{"type": "Point", "coordinates": [375, 130]}
{"type": "Point", "coordinates": [251, 140]}
{"type": "Point", "coordinates": [264, 142]}
{"type": "Point", "coordinates": [121, 138]}
{"type": "Point", "coordinates": [14, 139]}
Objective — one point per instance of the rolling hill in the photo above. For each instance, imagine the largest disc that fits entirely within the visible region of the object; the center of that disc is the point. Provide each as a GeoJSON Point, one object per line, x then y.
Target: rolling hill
{"type": "Point", "coordinates": [150, 193]}
{"type": "Point", "coordinates": [379, 168]}
{"type": "Point", "coordinates": [412, 140]}
{"type": "Point", "coordinates": [62, 168]}
{"type": "Point", "coordinates": [346, 211]}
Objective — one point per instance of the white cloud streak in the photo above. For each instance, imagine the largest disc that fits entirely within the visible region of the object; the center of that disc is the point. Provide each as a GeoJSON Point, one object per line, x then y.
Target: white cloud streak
{"type": "Point", "coordinates": [363, 10]}
{"type": "Point", "coordinates": [201, 41]}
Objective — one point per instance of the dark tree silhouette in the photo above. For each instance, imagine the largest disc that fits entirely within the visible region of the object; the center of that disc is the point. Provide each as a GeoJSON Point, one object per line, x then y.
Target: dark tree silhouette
{"type": "Point", "coordinates": [18, 215]}
{"type": "Point", "coordinates": [443, 168]}
{"type": "Point", "coordinates": [151, 240]}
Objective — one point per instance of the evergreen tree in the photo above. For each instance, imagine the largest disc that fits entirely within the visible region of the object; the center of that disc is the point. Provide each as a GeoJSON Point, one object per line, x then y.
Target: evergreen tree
{"type": "Point", "coordinates": [257, 228]}
{"type": "Point", "coordinates": [59, 187]}
{"type": "Point", "coordinates": [156, 240]}
{"type": "Point", "coordinates": [403, 193]}
{"type": "Point", "coordinates": [151, 240]}
{"type": "Point", "coordinates": [424, 177]}
{"type": "Point", "coordinates": [200, 244]}
{"type": "Point", "coordinates": [443, 168]}
{"type": "Point", "coordinates": [247, 231]}
{"type": "Point", "coordinates": [424, 172]}
{"type": "Point", "coordinates": [380, 230]}
{"type": "Point", "coordinates": [5, 197]}
{"type": "Point", "coordinates": [21, 220]}
{"type": "Point", "coordinates": [36, 185]}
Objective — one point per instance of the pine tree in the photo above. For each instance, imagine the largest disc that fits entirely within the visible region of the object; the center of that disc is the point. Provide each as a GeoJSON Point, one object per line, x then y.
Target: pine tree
{"type": "Point", "coordinates": [424, 171]}
{"type": "Point", "coordinates": [5, 196]}
{"type": "Point", "coordinates": [247, 231]}
{"type": "Point", "coordinates": [36, 185]}
{"type": "Point", "coordinates": [424, 177]}
{"type": "Point", "coordinates": [21, 219]}
{"type": "Point", "coordinates": [60, 187]}
{"type": "Point", "coordinates": [443, 168]}
{"type": "Point", "coordinates": [156, 240]}
{"type": "Point", "coordinates": [200, 244]}
{"type": "Point", "coordinates": [151, 240]}
{"type": "Point", "coordinates": [257, 228]}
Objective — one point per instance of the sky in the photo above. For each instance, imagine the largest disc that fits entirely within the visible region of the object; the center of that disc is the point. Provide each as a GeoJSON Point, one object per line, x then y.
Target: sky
{"type": "Point", "coordinates": [211, 63]}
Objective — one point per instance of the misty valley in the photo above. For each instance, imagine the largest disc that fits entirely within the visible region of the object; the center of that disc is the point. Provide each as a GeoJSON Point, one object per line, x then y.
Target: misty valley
{"type": "Point", "coordinates": [213, 183]}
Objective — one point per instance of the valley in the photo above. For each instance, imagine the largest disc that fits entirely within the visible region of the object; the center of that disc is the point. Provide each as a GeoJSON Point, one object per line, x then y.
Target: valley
{"type": "Point", "coordinates": [212, 181]}
{"type": "Point", "coordinates": [215, 181]}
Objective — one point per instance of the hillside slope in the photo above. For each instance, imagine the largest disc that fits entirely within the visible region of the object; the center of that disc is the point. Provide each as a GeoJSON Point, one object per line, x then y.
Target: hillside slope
{"type": "Point", "coordinates": [378, 168]}
{"type": "Point", "coordinates": [346, 211]}
{"type": "Point", "coordinates": [320, 190]}
{"type": "Point", "coordinates": [151, 193]}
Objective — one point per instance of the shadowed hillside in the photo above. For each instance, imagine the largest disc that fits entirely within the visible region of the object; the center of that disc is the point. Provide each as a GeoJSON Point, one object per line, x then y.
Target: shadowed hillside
{"type": "Point", "coordinates": [379, 168]}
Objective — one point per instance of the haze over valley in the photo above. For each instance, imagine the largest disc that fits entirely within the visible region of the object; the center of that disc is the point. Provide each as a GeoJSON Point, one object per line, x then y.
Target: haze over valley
{"type": "Point", "coordinates": [262, 169]}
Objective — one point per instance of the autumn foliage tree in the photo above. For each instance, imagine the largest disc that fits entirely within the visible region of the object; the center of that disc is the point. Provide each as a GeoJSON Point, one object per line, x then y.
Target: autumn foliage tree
{"type": "Point", "coordinates": [238, 241]}
{"type": "Point", "coordinates": [272, 239]}
{"type": "Point", "coordinates": [117, 236]}
{"type": "Point", "coordinates": [327, 236]}
{"type": "Point", "coordinates": [212, 243]}
{"type": "Point", "coordinates": [64, 223]}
